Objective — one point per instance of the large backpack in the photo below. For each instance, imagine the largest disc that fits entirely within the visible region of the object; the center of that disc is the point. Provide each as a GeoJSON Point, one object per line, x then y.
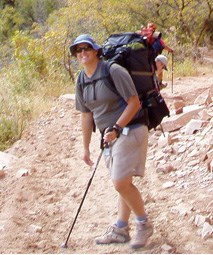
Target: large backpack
{"type": "Point", "coordinates": [131, 51]}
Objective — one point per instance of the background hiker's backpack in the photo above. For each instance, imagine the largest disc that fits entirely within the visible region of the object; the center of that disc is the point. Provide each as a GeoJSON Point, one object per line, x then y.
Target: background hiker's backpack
{"type": "Point", "coordinates": [154, 41]}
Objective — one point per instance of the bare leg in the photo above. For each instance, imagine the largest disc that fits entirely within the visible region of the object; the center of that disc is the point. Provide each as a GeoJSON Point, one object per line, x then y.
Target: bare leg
{"type": "Point", "coordinates": [123, 210]}
{"type": "Point", "coordinates": [131, 198]}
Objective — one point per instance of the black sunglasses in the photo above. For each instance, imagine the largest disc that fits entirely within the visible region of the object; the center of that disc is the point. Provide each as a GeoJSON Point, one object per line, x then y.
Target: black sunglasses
{"type": "Point", "coordinates": [86, 48]}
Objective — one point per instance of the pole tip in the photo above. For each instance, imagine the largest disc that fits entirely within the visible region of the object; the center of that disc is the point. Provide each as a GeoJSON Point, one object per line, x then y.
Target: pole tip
{"type": "Point", "coordinates": [64, 245]}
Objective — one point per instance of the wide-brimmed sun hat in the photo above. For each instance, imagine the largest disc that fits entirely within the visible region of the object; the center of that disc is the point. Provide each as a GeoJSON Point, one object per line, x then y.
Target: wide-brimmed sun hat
{"type": "Point", "coordinates": [84, 38]}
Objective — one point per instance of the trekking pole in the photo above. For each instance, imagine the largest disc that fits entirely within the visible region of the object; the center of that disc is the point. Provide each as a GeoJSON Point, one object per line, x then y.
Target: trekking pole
{"type": "Point", "coordinates": [172, 70]}
{"type": "Point", "coordinates": [161, 127]}
{"type": "Point", "coordinates": [64, 245]}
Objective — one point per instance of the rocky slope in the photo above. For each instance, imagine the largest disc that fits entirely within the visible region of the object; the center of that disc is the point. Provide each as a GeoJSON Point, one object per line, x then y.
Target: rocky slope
{"type": "Point", "coordinates": [43, 179]}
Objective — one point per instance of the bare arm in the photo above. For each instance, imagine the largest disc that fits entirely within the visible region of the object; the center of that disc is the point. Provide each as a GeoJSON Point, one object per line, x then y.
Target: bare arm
{"type": "Point", "coordinates": [87, 127]}
{"type": "Point", "coordinates": [129, 112]}
{"type": "Point", "coordinates": [168, 48]}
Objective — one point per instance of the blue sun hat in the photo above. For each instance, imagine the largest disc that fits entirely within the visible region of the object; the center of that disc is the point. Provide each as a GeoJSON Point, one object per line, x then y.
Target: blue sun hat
{"type": "Point", "coordinates": [84, 38]}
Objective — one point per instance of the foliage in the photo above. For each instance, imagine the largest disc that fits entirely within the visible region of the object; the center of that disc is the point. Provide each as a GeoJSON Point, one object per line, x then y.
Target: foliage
{"type": "Point", "coordinates": [13, 117]}
{"type": "Point", "coordinates": [37, 10]}
{"type": "Point", "coordinates": [10, 21]}
{"type": "Point", "coordinates": [22, 14]}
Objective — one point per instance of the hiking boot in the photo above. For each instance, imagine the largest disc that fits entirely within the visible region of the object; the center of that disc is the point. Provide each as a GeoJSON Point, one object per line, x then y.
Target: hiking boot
{"type": "Point", "coordinates": [114, 235]}
{"type": "Point", "coordinates": [143, 231]}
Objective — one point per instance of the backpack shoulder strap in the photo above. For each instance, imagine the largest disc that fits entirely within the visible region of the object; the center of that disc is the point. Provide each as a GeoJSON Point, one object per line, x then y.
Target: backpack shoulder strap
{"type": "Point", "coordinates": [107, 76]}
{"type": "Point", "coordinates": [80, 80]}
{"type": "Point", "coordinates": [104, 75]}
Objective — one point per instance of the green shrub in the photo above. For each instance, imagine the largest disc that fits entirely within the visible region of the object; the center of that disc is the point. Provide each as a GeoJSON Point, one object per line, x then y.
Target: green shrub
{"type": "Point", "coordinates": [9, 132]}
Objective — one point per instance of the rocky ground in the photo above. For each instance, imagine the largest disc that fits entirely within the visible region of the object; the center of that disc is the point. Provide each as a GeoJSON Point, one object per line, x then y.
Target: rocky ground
{"type": "Point", "coordinates": [44, 179]}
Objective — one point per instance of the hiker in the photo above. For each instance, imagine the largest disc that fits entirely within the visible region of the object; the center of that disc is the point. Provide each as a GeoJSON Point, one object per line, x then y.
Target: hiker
{"type": "Point", "coordinates": [153, 37]}
{"type": "Point", "coordinates": [153, 27]}
{"type": "Point", "coordinates": [126, 150]}
{"type": "Point", "coordinates": [161, 63]}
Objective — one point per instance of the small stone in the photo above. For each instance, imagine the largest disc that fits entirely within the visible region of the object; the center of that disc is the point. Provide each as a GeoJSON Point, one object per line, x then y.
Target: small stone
{"type": "Point", "coordinates": [168, 184]}
{"type": "Point", "coordinates": [207, 230]}
{"type": "Point", "coordinates": [22, 172]}
{"type": "Point", "coordinates": [167, 248]}
{"type": "Point", "coordinates": [199, 220]}
{"type": "Point", "coordinates": [2, 174]}
{"type": "Point", "coordinates": [34, 229]}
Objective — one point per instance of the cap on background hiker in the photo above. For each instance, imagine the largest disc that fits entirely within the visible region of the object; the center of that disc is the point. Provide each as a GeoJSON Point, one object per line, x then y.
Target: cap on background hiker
{"type": "Point", "coordinates": [84, 38]}
{"type": "Point", "coordinates": [163, 59]}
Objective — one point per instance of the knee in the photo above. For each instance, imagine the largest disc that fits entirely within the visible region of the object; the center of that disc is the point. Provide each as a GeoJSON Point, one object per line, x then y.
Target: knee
{"type": "Point", "coordinates": [121, 185]}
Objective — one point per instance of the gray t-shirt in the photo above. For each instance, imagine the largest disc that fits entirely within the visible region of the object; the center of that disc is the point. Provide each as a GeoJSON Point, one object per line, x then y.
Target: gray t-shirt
{"type": "Point", "coordinates": [106, 105]}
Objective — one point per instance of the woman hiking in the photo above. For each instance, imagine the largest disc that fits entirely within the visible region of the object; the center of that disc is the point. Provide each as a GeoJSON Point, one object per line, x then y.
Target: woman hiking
{"type": "Point", "coordinates": [125, 155]}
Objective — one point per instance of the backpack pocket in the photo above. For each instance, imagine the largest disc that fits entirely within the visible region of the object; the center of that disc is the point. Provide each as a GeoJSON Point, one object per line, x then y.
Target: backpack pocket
{"type": "Point", "coordinates": [157, 109]}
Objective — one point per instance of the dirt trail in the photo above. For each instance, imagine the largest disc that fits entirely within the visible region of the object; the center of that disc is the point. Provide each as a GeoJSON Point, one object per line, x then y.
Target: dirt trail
{"type": "Point", "coordinates": [36, 211]}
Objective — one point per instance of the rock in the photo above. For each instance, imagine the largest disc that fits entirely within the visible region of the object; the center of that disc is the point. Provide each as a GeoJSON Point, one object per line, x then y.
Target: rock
{"type": "Point", "coordinates": [182, 149]}
{"type": "Point", "coordinates": [207, 230]}
{"type": "Point", "coordinates": [165, 169]}
{"type": "Point", "coordinates": [168, 184]}
{"type": "Point", "coordinates": [22, 172]}
{"type": "Point", "coordinates": [209, 207]}
{"type": "Point", "coordinates": [34, 229]}
{"type": "Point", "coordinates": [2, 225]}
{"type": "Point", "coordinates": [210, 154]}
{"type": "Point", "coordinates": [6, 159]}
{"type": "Point", "coordinates": [167, 248]}
{"type": "Point", "coordinates": [199, 220]}
{"type": "Point", "coordinates": [179, 111]}
{"type": "Point", "coordinates": [2, 174]}
{"type": "Point", "coordinates": [179, 104]}
{"type": "Point", "coordinates": [204, 115]}
{"type": "Point", "coordinates": [193, 162]}
{"type": "Point", "coordinates": [192, 126]}
{"type": "Point", "coordinates": [181, 209]}
{"type": "Point", "coordinates": [175, 122]}
{"type": "Point", "coordinates": [164, 140]}
{"type": "Point", "coordinates": [204, 98]}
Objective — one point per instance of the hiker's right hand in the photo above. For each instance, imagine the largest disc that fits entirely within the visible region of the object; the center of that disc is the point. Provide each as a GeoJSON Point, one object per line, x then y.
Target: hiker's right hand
{"type": "Point", "coordinates": [109, 135]}
{"type": "Point", "coordinates": [87, 159]}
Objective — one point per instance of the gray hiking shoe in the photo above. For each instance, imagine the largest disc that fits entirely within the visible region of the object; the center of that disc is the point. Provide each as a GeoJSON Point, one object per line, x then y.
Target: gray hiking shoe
{"type": "Point", "coordinates": [114, 235]}
{"type": "Point", "coordinates": [143, 231]}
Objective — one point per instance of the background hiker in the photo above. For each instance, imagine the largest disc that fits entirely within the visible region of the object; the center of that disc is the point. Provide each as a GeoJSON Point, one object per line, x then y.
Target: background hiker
{"type": "Point", "coordinates": [156, 34]}
{"type": "Point", "coordinates": [127, 150]}
{"type": "Point", "coordinates": [161, 63]}
{"type": "Point", "coordinates": [154, 39]}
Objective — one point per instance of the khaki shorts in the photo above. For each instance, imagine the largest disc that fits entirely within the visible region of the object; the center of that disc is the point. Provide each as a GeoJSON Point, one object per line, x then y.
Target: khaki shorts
{"type": "Point", "coordinates": [127, 155]}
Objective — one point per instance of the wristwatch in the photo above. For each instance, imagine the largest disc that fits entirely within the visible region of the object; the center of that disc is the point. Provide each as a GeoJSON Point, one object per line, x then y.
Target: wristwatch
{"type": "Point", "coordinates": [117, 129]}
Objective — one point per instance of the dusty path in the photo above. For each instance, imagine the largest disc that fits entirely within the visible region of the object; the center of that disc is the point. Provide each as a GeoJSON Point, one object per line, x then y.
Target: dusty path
{"type": "Point", "coordinates": [36, 211]}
